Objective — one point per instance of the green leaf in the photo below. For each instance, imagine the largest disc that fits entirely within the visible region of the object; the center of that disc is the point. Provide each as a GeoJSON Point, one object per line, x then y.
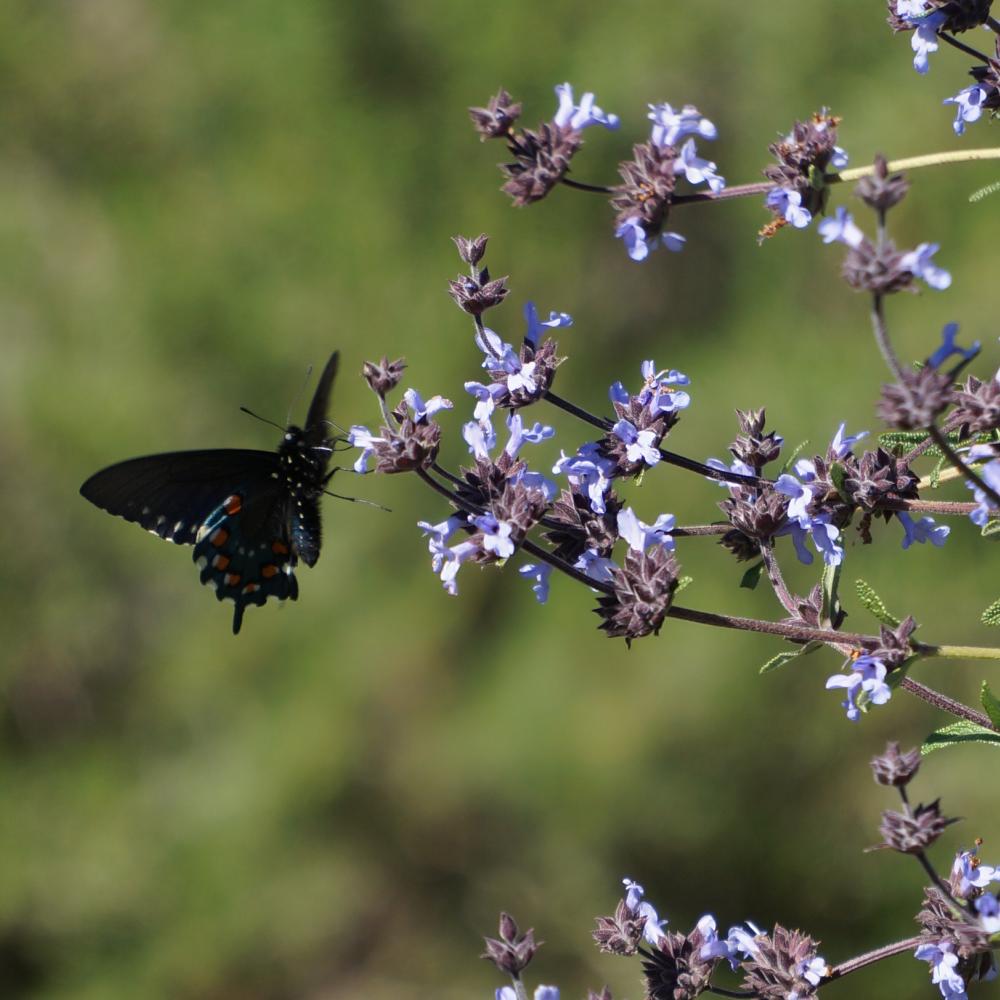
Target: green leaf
{"type": "Point", "coordinates": [991, 616]}
{"type": "Point", "coordinates": [782, 658]}
{"type": "Point", "coordinates": [837, 476]}
{"type": "Point", "coordinates": [871, 602]}
{"type": "Point", "coordinates": [831, 600]}
{"type": "Point", "coordinates": [984, 191]}
{"type": "Point", "coordinates": [792, 456]}
{"type": "Point", "coordinates": [900, 442]}
{"type": "Point", "coordinates": [991, 529]}
{"type": "Point", "coordinates": [958, 733]}
{"type": "Point", "coordinates": [991, 704]}
{"type": "Point", "coordinates": [682, 582]}
{"type": "Point", "coordinates": [752, 576]}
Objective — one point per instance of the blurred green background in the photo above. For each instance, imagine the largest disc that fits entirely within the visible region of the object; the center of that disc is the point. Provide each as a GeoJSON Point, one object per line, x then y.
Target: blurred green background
{"type": "Point", "coordinates": [197, 201]}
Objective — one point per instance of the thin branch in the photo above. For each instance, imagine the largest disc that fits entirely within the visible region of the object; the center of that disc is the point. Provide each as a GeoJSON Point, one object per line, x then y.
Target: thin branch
{"type": "Point", "coordinates": [581, 186]}
{"type": "Point", "coordinates": [962, 47]}
{"type": "Point", "coordinates": [882, 337]}
{"type": "Point", "coordinates": [777, 580]}
{"type": "Point", "coordinates": [696, 530]}
{"type": "Point", "coordinates": [914, 162]}
{"type": "Point", "coordinates": [794, 633]}
{"type": "Point", "coordinates": [945, 703]}
{"type": "Point", "coordinates": [871, 957]}
{"type": "Point", "coordinates": [942, 442]}
{"type": "Point", "coordinates": [956, 652]}
{"type": "Point", "coordinates": [933, 875]}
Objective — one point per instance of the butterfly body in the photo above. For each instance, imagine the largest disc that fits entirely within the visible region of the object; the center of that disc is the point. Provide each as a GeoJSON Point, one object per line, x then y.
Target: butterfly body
{"type": "Point", "coordinates": [250, 515]}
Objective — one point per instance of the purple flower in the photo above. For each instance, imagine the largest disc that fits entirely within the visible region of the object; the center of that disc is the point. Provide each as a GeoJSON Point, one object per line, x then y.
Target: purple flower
{"type": "Point", "coordinates": [640, 446]}
{"type": "Point", "coordinates": [988, 908]}
{"type": "Point", "coordinates": [839, 159]}
{"type": "Point", "coordinates": [787, 202]}
{"type": "Point", "coordinates": [658, 391]}
{"type": "Point", "coordinates": [541, 993]}
{"type": "Point", "coordinates": [924, 530]}
{"type": "Point", "coordinates": [968, 105]}
{"type": "Point", "coordinates": [841, 228]}
{"type": "Point", "coordinates": [653, 929]}
{"type": "Point", "coordinates": [670, 126]}
{"type": "Point", "coordinates": [361, 437]}
{"type": "Point", "coordinates": [496, 535]}
{"type": "Point", "coordinates": [925, 21]}
{"type": "Point", "coordinates": [841, 446]}
{"type": "Point", "coordinates": [539, 574]}
{"type": "Point", "coordinates": [865, 685]}
{"type": "Point", "coordinates": [520, 375]}
{"type": "Point", "coordinates": [450, 562]}
{"type": "Point", "coordinates": [739, 944]}
{"type": "Point", "coordinates": [437, 538]}
{"type": "Point", "coordinates": [480, 438]}
{"type": "Point", "coordinates": [487, 397]}
{"type": "Point", "coordinates": [597, 567]}
{"type": "Point", "coordinates": [814, 969]}
{"type": "Point", "coordinates": [918, 263]}
{"type": "Point", "coordinates": [589, 472]}
{"type": "Point", "coordinates": [697, 170]}
{"type": "Point", "coordinates": [421, 410]}
{"type": "Point", "coordinates": [632, 233]}
{"type": "Point", "coordinates": [990, 474]}
{"type": "Point", "coordinates": [493, 347]}
{"type": "Point", "coordinates": [556, 319]}
{"type": "Point", "coordinates": [943, 961]}
{"type": "Point", "coordinates": [534, 434]}
{"type": "Point", "coordinates": [969, 873]}
{"type": "Point", "coordinates": [800, 498]}
{"type": "Point", "coordinates": [640, 535]}
{"type": "Point", "coordinates": [949, 347]}
{"type": "Point", "coordinates": [579, 116]}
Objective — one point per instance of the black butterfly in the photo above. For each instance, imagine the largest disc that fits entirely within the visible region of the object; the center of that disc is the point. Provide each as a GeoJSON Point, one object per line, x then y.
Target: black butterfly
{"type": "Point", "coordinates": [251, 515]}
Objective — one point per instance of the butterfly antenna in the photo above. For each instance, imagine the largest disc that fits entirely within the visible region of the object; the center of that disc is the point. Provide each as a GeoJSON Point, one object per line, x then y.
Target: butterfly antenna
{"type": "Point", "coordinates": [263, 420]}
{"type": "Point", "coordinates": [367, 503]}
{"type": "Point", "coordinates": [298, 395]}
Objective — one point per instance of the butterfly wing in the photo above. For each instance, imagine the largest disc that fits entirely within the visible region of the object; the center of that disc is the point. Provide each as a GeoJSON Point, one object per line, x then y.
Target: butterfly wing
{"type": "Point", "coordinates": [229, 503]}
{"type": "Point", "coordinates": [173, 494]}
{"type": "Point", "coordinates": [317, 426]}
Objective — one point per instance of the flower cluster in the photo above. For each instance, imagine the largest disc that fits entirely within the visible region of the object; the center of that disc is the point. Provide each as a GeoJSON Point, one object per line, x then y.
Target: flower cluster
{"type": "Point", "coordinates": [541, 160]}
{"type": "Point", "coordinates": [928, 21]}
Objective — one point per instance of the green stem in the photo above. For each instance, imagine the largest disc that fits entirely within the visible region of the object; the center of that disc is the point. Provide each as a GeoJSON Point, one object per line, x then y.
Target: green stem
{"type": "Point", "coordinates": [957, 652]}
{"type": "Point", "coordinates": [914, 162]}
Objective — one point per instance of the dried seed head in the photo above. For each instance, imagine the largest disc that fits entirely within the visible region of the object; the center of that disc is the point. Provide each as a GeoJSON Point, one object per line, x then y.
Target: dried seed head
{"type": "Point", "coordinates": [541, 159]}
{"type": "Point", "coordinates": [913, 834]}
{"type": "Point", "coordinates": [579, 528]}
{"type": "Point", "coordinates": [648, 187]}
{"type": "Point", "coordinates": [471, 251]}
{"type": "Point", "coordinates": [914, 402]}
{"type": "Point", "coordinates": [620, 934]}
{"type": "Point", "coordinates": [477, 294]}
{"type": "Point", "coordinates": [383, 376]}
{"type": "Point", "coordinates": [675, 970]}
{"type": "Point", "coordinates": [753, 446]}
{"type": "Point", "coordinates": [413, 445]}
{"type": "Point", "coordinates": [942, 920]}
{"type": "Point", "coordinates": [511, 951]}
{"type": "Point", "coordinates": [777, 969]}
{"type": "Point", "coordinates": [644, 589]}
{"type": "Point", "coordinates": [868, 268]}
{"type": "Point", "coordinates": [497, 118]}
{"type": "Point", "coordinates": [881, 191]}
{"type": "Point", "coordinates": [803, 159]}
{"type": "Point", "coordinates": [878, 477]}
{"type": "Point", "coordinates": [977, 407]}
{"type": "Point", "coordinates": [895, 768]}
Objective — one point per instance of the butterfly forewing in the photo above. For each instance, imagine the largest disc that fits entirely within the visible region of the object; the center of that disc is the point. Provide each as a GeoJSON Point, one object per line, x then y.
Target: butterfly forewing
{"type": "Point", "coordinates": [172, 494]}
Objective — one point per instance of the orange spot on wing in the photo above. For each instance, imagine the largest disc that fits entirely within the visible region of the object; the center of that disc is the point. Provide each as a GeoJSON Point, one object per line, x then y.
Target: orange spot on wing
{"type": "Point", "coordinates": [251, 588]}
{"type": "Point", "coordinates": [233, 504]}
{"type": "Point", "coordinates": [232, 579]}
{"type": "Point", "coordinates": [268, 571]}
{"type": "Point", "coordinates": [219, 537]}
{"type": "Point", "coordinates": [221, 561]}
{"type": "Point", "coordinates": [279, 548]}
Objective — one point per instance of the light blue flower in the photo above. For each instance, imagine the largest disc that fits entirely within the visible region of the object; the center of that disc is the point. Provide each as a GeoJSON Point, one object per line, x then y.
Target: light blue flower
{"type": "Point", "coordinates": [670, 126]}
{"type": "Point", "coordinates": [487, 397]}
{"type": "Point", "coordinates": [437, 538]}
{"type": "Point", "coordinates": [697, 170]}
{"type": "Point", "coordinates": [640, 446]}
{"type": "Point", "coordinates": [450, 563]}
{"type": "Point", "coordinates": [865, 685]}
{"type": "Point", "coordinates": [423, 411]}
{"type": "Point", "coordinates": [496, 535]}
{"type": "Point", "coordinates": [361, 437]}
{"type": "Point", "coordinates": [990, 474]}
{"type": "Point", "coordinates": [971, 874]}
{"type": "Point", "coordinates": [480, 437]}
{"type": "Point", "coordinates": [841, 228]}
{"type": "Point", "coordinates": [787, 202]}
{"type": "Point", "coordinates": [924, 530]}
{"type": "Point", "coordinates": [918, 263]}
{"type": "Point", "coordinates": [840, 446]}
{"type": "Point", "coordinates": [640, 535]}
{"type": "Point", "coordinates": [599, 568]}
{"type": "Point", "coordinates": [589, 472]}
{"type": "Point", "coordinates": [800, 496]}
{"type": "Point", "coordinates": [814, 969]}
{"type": "Point", "coordinates": [579, 116]}
{"type": "Point", "coordinates": [632, 233]}
{"type": "Point", "coordinates": [949, 347]}
{"type": "Point", "coordinates": [968, 106]}
{"type": "Point", "coordinates": [944, 972]}
{"type": "Point", "coordinates": [539, 574]}
{"type": "Point", "coordinates": [535, 325]}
